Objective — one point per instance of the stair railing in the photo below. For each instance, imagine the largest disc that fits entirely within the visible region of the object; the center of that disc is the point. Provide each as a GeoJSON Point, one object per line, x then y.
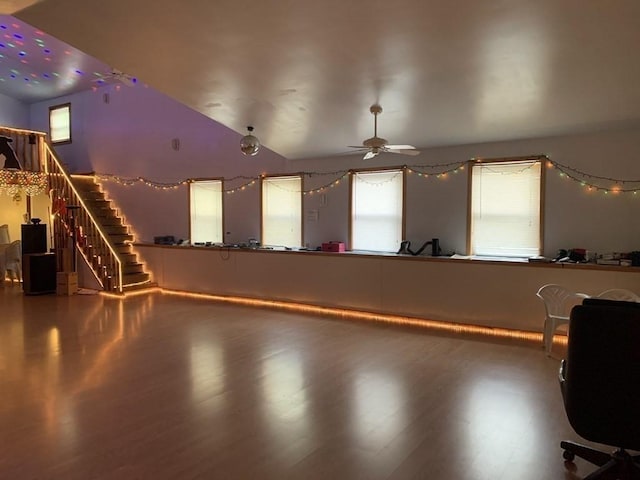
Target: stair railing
{"type": "Point", "coordinates": [90, 238]}
{"type": "Point", "coordinates": [28, 146]}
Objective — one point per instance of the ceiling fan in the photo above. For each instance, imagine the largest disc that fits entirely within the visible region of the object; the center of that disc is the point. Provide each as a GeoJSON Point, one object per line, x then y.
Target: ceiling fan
{"type": "Point", "coordinates": [375, 145]}
{"type": "Point", "coordinates": [115, 74]}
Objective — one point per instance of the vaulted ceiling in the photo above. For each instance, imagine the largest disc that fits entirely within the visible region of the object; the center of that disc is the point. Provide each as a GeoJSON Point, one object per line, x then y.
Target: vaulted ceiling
{"type": "Point", "coordinates": [304, 73]}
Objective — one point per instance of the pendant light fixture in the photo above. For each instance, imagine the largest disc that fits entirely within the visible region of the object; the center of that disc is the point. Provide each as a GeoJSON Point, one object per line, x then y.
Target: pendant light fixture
{"type": "Point", "coordinates": [249, 145]}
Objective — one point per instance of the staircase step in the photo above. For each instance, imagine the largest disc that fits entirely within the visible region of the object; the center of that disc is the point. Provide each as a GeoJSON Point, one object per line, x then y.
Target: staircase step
{"type": "Point", "coordinates": [128, 258]}
{"type": "Point", "coordinates": [98, 203]}
{"type": "Point", "coordinates": [115, 229]}
{"type": "Point", "coordinates": [128, 268]}
{"type": "Point", "coordinates": [123, 248]}
{"type": "Point", "coordinates": [85, 183]}
{"type": "Point", "coordinates": [133, 278]}
{"type": "Point", "coordinates": [90, 196]}
{"type": "Point", "coordinates": [120, 238]}
{"type": "Point", "coordinates": [143, 286]}
{"type": "Point", "coordinates": [108, 221]}
{"type": "Point", "coordinates": [102, 210]}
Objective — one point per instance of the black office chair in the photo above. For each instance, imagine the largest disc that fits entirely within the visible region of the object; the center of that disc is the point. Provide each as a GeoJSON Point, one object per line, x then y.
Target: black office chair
{"type": "Point", "coordinates": [600, 383]}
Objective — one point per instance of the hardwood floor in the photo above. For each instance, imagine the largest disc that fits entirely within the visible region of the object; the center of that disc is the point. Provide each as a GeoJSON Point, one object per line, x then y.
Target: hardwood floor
{"type": "Point", "coordinates": [162, 387]}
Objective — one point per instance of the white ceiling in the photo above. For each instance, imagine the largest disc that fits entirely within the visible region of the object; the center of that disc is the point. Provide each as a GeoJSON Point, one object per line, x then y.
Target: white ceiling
{"type": "Point", "coordinates": [304, 72]}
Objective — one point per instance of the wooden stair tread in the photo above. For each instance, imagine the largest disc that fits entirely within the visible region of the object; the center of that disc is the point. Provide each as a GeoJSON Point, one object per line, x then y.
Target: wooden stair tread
{"type": "Point", "coordinates": [103, 211]}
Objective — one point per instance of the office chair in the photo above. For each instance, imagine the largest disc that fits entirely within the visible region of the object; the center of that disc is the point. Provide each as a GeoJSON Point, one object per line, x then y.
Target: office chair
{"type": "Point", "coordinates": [558, 302]}
{"type": "Point", "coordinates": [600, 384]}
{"type": "Point", "coordinates": [619, 294]}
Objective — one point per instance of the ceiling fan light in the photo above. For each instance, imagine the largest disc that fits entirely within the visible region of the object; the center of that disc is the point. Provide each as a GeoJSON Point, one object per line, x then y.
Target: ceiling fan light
{"type": "Point", "coordinates": [249, 145]}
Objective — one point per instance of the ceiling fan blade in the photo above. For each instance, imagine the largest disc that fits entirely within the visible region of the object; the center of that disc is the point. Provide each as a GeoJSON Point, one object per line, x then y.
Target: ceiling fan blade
{"type": "Point", "coordinates": [405, 152]}
{"type": "Point", "coordinates": [356, 146]}
{"type": "Point", "coordinates": [400, 147]}
{"type": "Point", "coordinates": [369, 155]}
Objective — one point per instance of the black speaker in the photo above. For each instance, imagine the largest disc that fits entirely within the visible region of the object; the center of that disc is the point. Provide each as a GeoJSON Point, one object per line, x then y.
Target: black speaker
{"type": "Point", "coordinates": [39, 273]}
{"type": "Point", "coordinates": [34, 238]}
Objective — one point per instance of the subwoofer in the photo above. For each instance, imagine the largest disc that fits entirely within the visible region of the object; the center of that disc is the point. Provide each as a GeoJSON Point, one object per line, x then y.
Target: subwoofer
{"type": "Point", "coordinates": [34, 238]}
{"type": "Point", "coordinates": [39, 273]}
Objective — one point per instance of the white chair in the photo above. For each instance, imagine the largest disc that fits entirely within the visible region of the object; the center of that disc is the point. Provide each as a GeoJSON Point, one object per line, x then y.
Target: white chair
{"type": "Point", "coordinates": [619, 294]}
{"type": "Point", "coordinates": [5, 241]}
{"type": "Point", "coordinates": [4, 234]}
{"type": "Point", "coordinates": [558, 302]}
{"type": "Point", "coordinates": [13, 261]}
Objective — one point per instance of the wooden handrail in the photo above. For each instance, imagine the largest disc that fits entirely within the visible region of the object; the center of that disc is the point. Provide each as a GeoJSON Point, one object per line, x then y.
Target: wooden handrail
{"type": "Point", "coordinates": [91, 240]}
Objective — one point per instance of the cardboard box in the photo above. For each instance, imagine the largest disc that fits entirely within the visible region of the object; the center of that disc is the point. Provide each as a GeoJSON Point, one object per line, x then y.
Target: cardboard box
{"type": "Point", "coordinates": [333, 247]}
{"type": "Point", "coordinates": [66, 283]}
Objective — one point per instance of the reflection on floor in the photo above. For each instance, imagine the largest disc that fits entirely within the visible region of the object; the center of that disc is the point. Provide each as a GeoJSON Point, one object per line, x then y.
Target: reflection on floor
{"type": "Point", "coordinates": [162, 387]}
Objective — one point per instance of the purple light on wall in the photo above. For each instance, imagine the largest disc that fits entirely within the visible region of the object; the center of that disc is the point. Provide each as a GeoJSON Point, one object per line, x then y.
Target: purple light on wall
{"type": "Point", "coordinates": [18, 36]}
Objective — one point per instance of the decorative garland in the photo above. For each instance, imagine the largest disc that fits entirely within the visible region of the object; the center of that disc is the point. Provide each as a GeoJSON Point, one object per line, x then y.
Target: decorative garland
{"type": "Point", "coordinates": [440, 171]}
{"type": "Point", "coordinates": [13, 181]}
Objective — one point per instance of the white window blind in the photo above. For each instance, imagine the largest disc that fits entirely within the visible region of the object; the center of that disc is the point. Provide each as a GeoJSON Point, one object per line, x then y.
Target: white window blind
{"type": "Point", "coordinates": [377, 209]}
{"type": "Point", "coordinates": [506, 209]}
{"type": "Point", "coordinates": [60, 123]}
{"type": "Point", "coordinates": [206, 211]}
{"type": "Point", "coordinates": [282, 211]}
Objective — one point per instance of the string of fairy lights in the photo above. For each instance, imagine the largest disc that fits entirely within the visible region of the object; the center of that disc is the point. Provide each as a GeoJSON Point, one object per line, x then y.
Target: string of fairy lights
{"type": "Point", "coordinates": [13, 182]}
{"type": "Point", "coordinates": [590, 182]}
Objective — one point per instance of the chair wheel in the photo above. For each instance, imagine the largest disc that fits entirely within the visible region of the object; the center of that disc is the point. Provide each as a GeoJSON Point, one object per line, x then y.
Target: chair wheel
{"type": "Point", "coordinates": [569, 456]}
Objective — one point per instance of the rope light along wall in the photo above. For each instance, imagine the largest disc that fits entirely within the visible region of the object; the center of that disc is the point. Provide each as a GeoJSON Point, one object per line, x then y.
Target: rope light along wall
{"type": "Point", "coordinates": [441, 171]}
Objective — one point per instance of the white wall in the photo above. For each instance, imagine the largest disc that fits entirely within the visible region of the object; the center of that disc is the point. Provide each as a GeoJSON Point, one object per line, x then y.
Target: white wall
{"type": "Point", "coordinates": [574, 218]}
{"type": "Point", "coordinates": [13, 113]}
{"type": "Point", "coordinates": [131, 136]}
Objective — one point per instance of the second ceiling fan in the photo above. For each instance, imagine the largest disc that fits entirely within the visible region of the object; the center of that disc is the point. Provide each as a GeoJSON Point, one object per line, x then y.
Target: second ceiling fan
{"type": "Point", "coordinates": [376, 145]}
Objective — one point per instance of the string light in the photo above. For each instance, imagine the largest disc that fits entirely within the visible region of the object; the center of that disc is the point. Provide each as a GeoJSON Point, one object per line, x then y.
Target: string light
{"type": "Point", "coordinates": [33, 183]}
{"type": "Point", "coordinates": [440, 171]}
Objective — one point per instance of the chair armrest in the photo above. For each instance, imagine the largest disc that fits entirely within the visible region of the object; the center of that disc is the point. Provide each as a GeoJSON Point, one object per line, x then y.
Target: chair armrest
{"type": "Point", "coordinates": [562, 376]}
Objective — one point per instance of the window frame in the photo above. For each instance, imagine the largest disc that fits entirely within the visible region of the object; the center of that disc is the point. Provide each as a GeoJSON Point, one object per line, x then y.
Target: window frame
{"type": "Point", "coordinates": [266, 178]}
{"type": "Point", "coordinates": [482, 161]}
{"type": "Point", "coordinates": [53, 109]}
{"type": "Point", "coordinates": [352, 175]}
{"type": "Point", "coordinates": [222, 216]}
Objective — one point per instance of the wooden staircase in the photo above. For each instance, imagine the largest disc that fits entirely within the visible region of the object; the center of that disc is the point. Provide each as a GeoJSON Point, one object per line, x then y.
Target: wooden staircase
{"type": "Point", "coordinates": [117, 233]}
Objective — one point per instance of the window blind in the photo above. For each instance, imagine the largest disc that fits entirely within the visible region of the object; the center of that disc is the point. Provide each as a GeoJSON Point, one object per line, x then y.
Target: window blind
{"type": "Point", "coordinates": [282, 211]}
{"type": "Point", "coordinates": [206, 211]}
{"type": "Point", "coordinates": [60, 123]}
{"type": "Point", "coordinates": [377, 209]}
{"type": "Point", "coordinates": [506, 209]}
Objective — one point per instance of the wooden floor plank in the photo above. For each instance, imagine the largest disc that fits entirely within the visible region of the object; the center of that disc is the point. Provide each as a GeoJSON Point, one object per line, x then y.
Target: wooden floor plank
{"type": "Point", "coordinates": [162, 387]}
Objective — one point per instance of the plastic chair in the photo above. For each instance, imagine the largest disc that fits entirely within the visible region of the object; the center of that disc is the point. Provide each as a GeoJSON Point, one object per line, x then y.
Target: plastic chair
{"type": "Point", "coordinates": [619, 294]}
{"type": "Point", "coordinates": [558, 302]}
{"type": "Point", "coordinates": [13, 260]}
{"type": "Point", "coordinates": [4, 234]}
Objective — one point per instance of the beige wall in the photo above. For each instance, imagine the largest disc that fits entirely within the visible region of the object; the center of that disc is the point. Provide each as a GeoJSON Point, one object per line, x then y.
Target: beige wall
{"type": "Point", "coordinates": [12, 212]}
{"type": "Point", "coordinates": [497, 294]}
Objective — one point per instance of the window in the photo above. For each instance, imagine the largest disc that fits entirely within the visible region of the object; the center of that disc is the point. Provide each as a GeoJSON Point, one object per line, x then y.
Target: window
{"type": "Point", "coordinates": [60, 123]}
{"type": "Point", "coordinates": [505, 210]}
{"type": "Point", "coordinates": [377, 210]}
{"type": "Point", "coordinates": [205, 210]}
{"type": "Point", "coordinates": [282, 211]}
